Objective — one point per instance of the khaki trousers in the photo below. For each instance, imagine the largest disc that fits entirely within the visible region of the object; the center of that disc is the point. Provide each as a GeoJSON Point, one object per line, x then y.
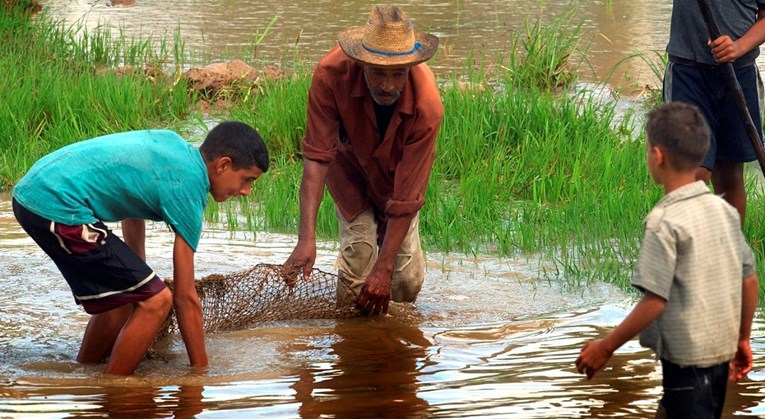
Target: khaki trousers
{"type": "Point", "coordinates": [358, 253]}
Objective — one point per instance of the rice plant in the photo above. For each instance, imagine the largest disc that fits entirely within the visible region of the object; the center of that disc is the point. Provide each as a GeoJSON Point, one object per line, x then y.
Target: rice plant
{"type": "Point", "coordinates": [525, 164]}
{"type": "Point", "coordinates": [62, 85]}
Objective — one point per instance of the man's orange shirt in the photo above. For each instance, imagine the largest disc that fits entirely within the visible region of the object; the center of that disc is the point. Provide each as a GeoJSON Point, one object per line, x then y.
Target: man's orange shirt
{"type": "Point", "coordinates": [391, 174]}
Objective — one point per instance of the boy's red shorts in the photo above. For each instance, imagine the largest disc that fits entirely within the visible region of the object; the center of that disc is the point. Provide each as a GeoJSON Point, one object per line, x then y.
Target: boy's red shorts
{"type": "Point", "coordinates": [102, 271]}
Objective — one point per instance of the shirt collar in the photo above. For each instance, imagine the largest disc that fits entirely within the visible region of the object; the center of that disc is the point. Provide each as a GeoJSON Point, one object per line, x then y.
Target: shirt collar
{"type": "Point", "coordinates": [684, 192]}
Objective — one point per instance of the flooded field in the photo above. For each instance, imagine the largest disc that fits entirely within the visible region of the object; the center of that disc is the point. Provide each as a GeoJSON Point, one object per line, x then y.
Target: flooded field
{"type": "Point", "coordinates": [486, 338]}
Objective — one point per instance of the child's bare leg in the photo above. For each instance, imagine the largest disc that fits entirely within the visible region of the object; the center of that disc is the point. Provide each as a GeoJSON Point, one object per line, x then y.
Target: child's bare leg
{"type": "Point", "coordinates": [101, 333]}
{"type": "Point", "coordinates": [138, 333]}
{"type": "Point", "coordinates": [703, 174]}
{"type": "Point", "coordinates": [728, 181]}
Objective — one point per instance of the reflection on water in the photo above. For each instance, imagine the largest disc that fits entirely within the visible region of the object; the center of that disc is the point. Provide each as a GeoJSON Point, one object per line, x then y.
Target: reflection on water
{"type": "Point", "coordinates": [375, 371]}
{"type": "Point", "coordinates": [486, 338]}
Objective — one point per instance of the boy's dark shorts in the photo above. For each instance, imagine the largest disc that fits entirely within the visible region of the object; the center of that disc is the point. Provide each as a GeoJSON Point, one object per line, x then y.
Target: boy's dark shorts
{"type": "Point", "coordinates": [693, 392]}
{"type": "Point", "coordinates": [704, 87]}
{"type": "Point", "coordinates": [102, 271]}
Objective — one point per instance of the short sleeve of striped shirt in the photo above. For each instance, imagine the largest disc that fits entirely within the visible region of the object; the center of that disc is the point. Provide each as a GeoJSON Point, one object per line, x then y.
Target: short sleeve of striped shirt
{"type": "Point", "coordinates": [657, 259]}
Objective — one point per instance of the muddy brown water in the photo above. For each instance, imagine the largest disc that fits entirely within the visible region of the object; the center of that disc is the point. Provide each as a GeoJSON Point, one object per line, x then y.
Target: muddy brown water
{"type": "Point", "coordinates": [475, 32]}
{"type": "Point", "coordinates": [305, 30]}
{"type": "Point", "coordinates": [487, 337]}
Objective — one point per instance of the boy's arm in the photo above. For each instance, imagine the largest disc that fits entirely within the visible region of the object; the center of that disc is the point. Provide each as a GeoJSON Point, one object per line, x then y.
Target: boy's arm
{"type": "Point", "coordinates": [725, 50]}
{"type": "Point", "coordinates": [595, 354]}
{"type": "Point", "coordinates": [134, 234]}
{"type": "Point", "coordinates": [188, 309]}
{"type": "Point", "coordinates": [742, 363]}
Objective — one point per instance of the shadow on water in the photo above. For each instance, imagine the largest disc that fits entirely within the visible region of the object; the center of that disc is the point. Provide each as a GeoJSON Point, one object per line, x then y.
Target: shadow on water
{"type": "Point", "coordinates": [486, 339]}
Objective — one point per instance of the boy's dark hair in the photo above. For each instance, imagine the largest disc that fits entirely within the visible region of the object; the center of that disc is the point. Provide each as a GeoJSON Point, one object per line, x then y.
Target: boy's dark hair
{"type": "Point", "coordinates": [237, 141]}
{"type": "Point", "coordinates": [680, 129]}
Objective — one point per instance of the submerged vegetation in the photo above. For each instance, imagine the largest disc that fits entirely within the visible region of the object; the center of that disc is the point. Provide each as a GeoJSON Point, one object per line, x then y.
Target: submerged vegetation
{"type": "Point", "coordinates": [525, 163]}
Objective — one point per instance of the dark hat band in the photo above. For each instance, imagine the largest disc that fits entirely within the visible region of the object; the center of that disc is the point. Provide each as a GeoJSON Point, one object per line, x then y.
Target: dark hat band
{"type": "Point", "coordinates": [393, 54]}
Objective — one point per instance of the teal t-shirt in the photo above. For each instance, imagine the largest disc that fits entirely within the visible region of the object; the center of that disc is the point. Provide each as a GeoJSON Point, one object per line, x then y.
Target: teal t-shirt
{"type": "Point", "coordinates": [152, 175]}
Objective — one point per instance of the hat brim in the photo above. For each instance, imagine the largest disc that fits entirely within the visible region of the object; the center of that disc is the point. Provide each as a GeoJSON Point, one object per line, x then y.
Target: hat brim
{"type": "Point", "coordinates": [350, 42]}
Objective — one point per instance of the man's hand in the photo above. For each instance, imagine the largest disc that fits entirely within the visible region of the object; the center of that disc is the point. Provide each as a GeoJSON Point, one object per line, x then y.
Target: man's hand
{"type": "Point", "coordinates": [725, 50]}
{"type": "Point", "coordinates": [375, 293]}
{"type": "Point", "coordinates": [302, 258]}
{"type": "Point", "coordinates": [742, 363]}
{"type": "Point", "coordinates": [592, 358]}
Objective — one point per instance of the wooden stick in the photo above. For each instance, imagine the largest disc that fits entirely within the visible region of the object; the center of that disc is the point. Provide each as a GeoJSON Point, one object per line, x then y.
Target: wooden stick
{"type": "Point", "coordinates": [729, 76]}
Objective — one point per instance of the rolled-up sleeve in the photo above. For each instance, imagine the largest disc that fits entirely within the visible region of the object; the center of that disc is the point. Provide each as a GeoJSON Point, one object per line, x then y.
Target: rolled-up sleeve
{"type": "Point", "coordinates": [413, 171]}
{"type": "Point", "coordinates": [320, 141]}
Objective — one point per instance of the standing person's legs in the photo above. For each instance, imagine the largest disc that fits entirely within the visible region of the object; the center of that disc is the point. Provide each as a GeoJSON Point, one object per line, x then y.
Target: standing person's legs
{"type": "Point", "coordinates": [728, 181]}
{"type": "Point", "coordinates": [693, 392]}
{"type": "Point", "coordinates": [125, 333]}
{"type": "Point", "coordinates": [734, 145]}
{"type": "Point", "coordinates": [730, 146]}
{"type": "Point", "coordinates": [112, 283]}
{"type": "Point", "coordinates": [101, 333]}
{"type": "Point", "coordinates": [692, 85]}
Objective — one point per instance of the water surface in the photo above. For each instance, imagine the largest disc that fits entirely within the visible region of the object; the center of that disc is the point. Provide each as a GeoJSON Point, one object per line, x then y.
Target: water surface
{"type": "Point", "coordinates": [470, 32]}
{"type": "Point", "coordinates": [487, 338]}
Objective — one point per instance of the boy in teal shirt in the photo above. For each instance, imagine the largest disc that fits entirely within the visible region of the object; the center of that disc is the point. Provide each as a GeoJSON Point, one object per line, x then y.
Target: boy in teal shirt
{"type": "Point", "coordinates": [65, 198]}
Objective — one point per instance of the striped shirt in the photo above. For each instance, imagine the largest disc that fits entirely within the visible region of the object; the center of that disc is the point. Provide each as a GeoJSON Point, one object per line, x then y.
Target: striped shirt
{"type": "Point", "coordinates": [694, 255]}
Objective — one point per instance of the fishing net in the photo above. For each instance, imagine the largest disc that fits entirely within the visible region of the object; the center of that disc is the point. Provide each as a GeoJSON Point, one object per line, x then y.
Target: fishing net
{"type": "Point", "coordinates": [266, 292]}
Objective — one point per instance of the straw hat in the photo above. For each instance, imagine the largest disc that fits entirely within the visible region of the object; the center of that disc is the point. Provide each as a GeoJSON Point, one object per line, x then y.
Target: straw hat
{"type": "Point", "coordinates": [388, 40]}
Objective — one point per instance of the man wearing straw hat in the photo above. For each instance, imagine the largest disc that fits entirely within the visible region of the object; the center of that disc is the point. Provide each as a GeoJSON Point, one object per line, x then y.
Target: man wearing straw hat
{"type": "Point", "coordinates": [374, 112]}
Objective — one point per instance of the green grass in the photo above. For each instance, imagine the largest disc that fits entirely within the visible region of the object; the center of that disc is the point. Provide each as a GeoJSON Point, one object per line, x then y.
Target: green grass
{"type": "Point", "coordinates": [59, 86]}
{"type": "Point", "coordinates": [525, 165]}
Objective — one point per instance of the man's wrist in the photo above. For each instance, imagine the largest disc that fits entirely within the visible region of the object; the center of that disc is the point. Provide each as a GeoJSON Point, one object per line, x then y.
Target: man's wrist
{"type": "Point", "coordinates": [608, 346]}
{"type": "Point", "coordinates": [383, 269]}
{"type": "Point", "coordinates": [307, 237]}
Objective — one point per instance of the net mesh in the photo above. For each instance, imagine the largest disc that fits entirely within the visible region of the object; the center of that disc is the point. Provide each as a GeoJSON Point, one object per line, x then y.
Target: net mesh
{"type": "Point", "coordinates": [267, 292]}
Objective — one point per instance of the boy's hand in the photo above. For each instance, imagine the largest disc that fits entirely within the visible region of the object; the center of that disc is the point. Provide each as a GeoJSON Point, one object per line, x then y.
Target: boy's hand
{"type": "Point", "coordinates": [742, 363]}
{"type": "Point", "coordinates": [724, 50]}
{"type": "Point", "coordinates": [592, 358]}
